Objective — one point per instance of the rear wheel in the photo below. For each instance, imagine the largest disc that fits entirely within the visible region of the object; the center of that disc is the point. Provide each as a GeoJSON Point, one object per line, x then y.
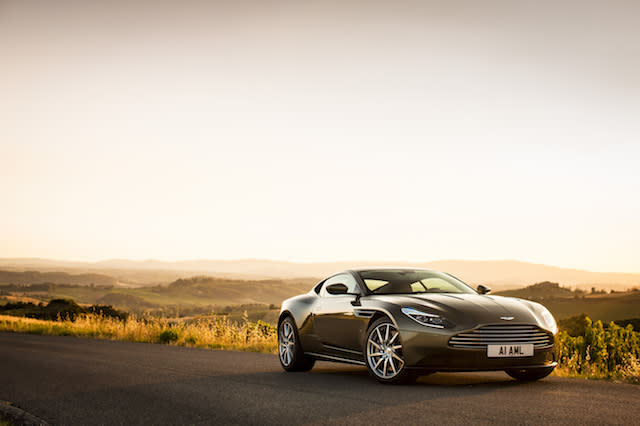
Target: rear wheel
{"type": "Point", "coordinates": [383, 353]}
{"type": "Point", "coordinates": [530, 374]}
{"type": "Point", "coordinates": [290, 351]}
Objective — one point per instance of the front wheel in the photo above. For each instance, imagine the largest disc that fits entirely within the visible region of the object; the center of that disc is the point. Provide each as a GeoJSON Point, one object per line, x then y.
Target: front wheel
{"type": "Point", "coordinates": [290, 351]}
{"type": "Point", "coordinates": [383, 353]}
{"type": "Point", "coordinates": [530, 374]}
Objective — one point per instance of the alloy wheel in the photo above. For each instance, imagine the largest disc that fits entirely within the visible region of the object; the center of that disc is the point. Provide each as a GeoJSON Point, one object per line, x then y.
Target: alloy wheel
{"type": "Point", "coordinates": [286, 343]}
{"type": "Point", "coordinates": [384, 351]}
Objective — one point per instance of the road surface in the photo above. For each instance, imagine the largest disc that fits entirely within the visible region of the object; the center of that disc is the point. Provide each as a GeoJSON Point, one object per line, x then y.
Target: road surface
{"type": "Point", "coordinates": [69, 380]}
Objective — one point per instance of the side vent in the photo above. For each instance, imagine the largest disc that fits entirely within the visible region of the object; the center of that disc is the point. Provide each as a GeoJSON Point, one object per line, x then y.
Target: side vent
{"type": "Point", "coordinates": [364, 313]}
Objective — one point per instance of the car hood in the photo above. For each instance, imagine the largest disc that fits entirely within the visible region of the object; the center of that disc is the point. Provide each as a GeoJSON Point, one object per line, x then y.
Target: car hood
{"type": "Point", "coordinates": [470, 309]}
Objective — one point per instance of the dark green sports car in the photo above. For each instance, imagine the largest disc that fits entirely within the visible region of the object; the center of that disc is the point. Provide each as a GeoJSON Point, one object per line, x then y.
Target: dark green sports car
{"type": "Point", "coordinates": [403, 323]}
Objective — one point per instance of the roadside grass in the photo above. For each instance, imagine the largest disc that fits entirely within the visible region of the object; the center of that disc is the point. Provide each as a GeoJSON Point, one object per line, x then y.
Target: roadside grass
{"type": "Point", "coordinates": [211, 333]}
{"type": "Point", "coordinates": [627, 373]}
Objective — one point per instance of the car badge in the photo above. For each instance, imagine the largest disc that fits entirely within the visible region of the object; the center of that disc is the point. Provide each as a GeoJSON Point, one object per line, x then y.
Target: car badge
{"type": "Point", "coordinates": [506, 318]}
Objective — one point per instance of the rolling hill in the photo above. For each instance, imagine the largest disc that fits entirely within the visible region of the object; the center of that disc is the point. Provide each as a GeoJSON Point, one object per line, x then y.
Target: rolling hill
{"type": "Point", "coordinates": [499, 274]}
{"type": "Point", "coordinates": [37, 277]}
{"type": "Point", "coordinates": [564, 302]}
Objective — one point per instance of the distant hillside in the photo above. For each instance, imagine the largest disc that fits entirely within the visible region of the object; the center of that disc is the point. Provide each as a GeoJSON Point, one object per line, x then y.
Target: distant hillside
{"type": "Point", "coordinates": [541, 291]}
{"type": "Point", "coordinates": [36, 277]}
{"type": "Point", "coordinates": [498, 274]}
{"type": "Point", "coordinates": [220, 290]}
{"type": "Point", "coordinates": [607, 308]}
{"type": "Point", "coordinates": [125, 301]}
{"type": "Point", "coordinates": [199, 294]}
{"type": "Point", "coordinates": [564, 302]}
{"type": "Point", "coordinates": [195, 291]}
{"type": "Point", "coordinates": [512, 274]}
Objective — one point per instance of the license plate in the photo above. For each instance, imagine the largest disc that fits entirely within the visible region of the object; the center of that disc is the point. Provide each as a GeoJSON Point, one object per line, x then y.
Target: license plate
{"type": "Point", "coordinates": [509, 351]}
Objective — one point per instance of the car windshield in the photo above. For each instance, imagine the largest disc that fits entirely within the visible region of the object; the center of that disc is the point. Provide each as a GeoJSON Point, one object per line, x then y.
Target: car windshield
{"type": "Point", "coordinates": [411, 281]}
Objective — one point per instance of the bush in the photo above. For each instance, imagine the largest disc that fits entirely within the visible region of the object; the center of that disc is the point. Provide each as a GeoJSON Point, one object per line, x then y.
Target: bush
{"type": "Point", "coordinates": [107, 311]}
{"type": "Point", "coordinates": [612, 353]}
{"type": "Point", "coordinates": [62, 308]}
{"type": "Point", "coordinates": [59, 309]}
{"type": "Point", "coordinates": [168, 336]}
{"type": "Point", "coordinates": [575, 326]}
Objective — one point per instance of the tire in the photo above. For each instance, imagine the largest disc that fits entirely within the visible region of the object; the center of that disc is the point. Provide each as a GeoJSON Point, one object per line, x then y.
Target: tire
{"type": "Point", "coordinates": [531, 374]}
{"type": "Point", "coordinates": [290, 353]}
{"type": "Point", "coordinates": [383, 354]}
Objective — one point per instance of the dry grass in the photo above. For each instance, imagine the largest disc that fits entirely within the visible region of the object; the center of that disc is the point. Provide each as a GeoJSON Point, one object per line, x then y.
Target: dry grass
{"type": "Point", "coordinates": [212, 333]}
{"type": "Point", "coordinates": [627, 372]}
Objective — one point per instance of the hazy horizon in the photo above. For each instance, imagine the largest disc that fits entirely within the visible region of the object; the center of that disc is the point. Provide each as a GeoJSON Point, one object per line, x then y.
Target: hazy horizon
{"type": "Point", "coordinates": [353, 262]}
{"type": "Point", "coordinates": [321, 132]}
{"type": "Point", "coordinates": [499, 274]}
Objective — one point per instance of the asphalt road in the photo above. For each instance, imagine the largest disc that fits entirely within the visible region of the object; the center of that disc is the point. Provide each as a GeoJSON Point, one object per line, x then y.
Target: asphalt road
{"type": "Point", "coordinates": [68, 380]}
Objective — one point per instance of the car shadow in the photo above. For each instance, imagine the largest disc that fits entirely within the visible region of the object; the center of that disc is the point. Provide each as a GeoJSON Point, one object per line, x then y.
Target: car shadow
{"type": "Point", "coordinates": [327, 393]}
{"type": "Point", "coordinates": [482, 378]}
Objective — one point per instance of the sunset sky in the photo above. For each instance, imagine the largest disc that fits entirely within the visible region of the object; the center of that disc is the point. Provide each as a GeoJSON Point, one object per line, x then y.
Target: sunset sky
{"type": "Point", "coordinates": [332, 130]}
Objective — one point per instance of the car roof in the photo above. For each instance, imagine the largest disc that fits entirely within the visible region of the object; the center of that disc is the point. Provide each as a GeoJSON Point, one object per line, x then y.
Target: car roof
{"type": "Point", "coordinates": [387, 268]}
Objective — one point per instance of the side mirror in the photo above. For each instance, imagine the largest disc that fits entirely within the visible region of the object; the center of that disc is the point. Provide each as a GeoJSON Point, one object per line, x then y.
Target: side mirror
{"type": "Point", "coordinates": [483, 289]}
{"type": "Point", "coordinates": [337, 288]}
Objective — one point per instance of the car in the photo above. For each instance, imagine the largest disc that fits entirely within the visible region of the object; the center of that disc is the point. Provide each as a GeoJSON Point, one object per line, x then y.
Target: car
{"type": "Point", "coordinates": [405, 322]}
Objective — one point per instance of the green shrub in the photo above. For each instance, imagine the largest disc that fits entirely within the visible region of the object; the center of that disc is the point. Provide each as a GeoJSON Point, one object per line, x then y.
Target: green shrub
{"type": "Point", "coordinates": [598, 352]}
{"type": "Point", "coordinates": [59, 309]}
{"type": "Point", "coordinates": [168, 336]}
{"type": "Point", "coordinates": [575, 326]}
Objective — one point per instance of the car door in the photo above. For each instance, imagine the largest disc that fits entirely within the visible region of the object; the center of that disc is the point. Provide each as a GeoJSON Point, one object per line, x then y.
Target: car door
{"type": "Point", "coordinates": [335, 324]}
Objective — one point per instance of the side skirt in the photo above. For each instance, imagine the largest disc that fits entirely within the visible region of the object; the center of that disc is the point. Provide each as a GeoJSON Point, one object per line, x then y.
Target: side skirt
{"type": "Point", "coordinates": [323, 357]}
{"type": "Point", "coordinates": [349, 351]}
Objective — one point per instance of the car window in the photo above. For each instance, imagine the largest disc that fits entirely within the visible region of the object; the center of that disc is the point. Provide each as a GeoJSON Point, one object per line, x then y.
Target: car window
{"type": "Point", "coordinates": [408, 281]}
{"type": "Point", "coordinates": [438, 285]}
{"type": "Point", "coordinates": [374, 284]}
{"type": "Point", "coordinates": [346, 279]}
{"type": "Point", "coordinates": [417, 287]}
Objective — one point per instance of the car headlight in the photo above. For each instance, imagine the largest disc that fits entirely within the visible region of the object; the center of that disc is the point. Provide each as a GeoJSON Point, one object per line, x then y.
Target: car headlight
{"type": "Point", "coordinates": [430, 320]}
{"type": "Point", "coordinates": [548, 320]}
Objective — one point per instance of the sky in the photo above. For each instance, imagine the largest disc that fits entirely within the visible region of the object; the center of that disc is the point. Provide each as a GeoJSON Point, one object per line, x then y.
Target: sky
{"type": "Point", "coordinates": [321, 131]}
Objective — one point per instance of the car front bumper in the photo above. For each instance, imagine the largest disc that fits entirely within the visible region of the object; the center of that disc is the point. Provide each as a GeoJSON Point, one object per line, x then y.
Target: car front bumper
{"type": "Point", "coordinates": [431, 351]}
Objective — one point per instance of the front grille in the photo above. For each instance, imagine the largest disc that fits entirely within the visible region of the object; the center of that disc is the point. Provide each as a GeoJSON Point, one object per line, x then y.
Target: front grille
{"type": "Point", "coordinates": [502, 334]}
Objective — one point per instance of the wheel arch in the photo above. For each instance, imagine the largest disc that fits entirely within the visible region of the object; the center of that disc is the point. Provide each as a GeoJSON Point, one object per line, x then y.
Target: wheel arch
{"type": "Point", "coordinates": [376, 317]}
{"type": "Point", "coordinates": [378, 313]}
{"type": "Point", "coordinates": [381, 313]}
{"type": "Point", "coordinates": [284, 314]}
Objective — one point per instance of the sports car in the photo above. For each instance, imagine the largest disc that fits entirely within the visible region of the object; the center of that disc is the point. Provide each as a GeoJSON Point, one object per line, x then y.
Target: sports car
{"type": "Point", "coordinates": [403, 323]}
